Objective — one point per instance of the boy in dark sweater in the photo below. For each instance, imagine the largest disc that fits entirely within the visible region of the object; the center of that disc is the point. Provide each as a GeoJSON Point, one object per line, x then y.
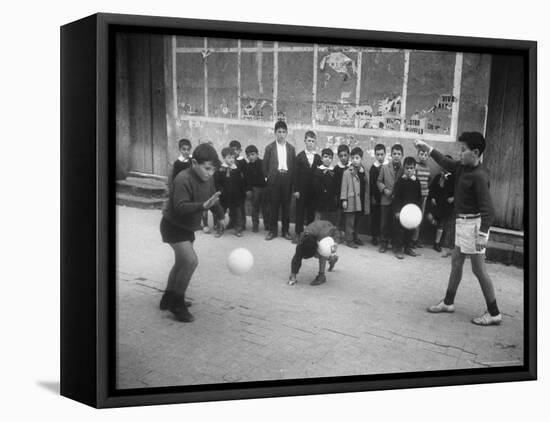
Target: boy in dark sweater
{"type": "Point", "coordinates": [255, 184]}
{"type": "Point", "coordinates": [230, 182]}
{"type": "Point", "coordinates": [191, 192]}
{"type": "Point", "coordinates": [324, 187]}
{"type": "Point", "coordinates": [240, 162]}
{"type": "Point", "coordinates": [407, 190]}
{"type": "Point", "coordinates": [341, 166]}
{"type": "Point", "coordinates": [306, 162]}
{"type": "Point", "coordinates": [184, 160]}
{"type": "Point", "coordinates": [474, 214]}
{"type": "Point", "coordinates": [374, 172]}
{"type": "Point", "coordinates": [440, 207]}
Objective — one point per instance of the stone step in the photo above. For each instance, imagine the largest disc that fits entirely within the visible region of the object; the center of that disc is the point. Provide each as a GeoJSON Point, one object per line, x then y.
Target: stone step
{"type": "Point", "coordinates": [148, 176]}
{"type": "Point", "coordinates": [143, 187]}
{"type": "Point", "coordinates": [129, 200]}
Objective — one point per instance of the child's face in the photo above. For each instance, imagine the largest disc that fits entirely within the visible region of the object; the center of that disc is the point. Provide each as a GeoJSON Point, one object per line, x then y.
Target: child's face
{"type": "Point", "coordinates": [252, 156]}
{"type": "Point", "coordinates": [236, 151]}
{"type": "Point", "coordinates": [185, 151]}
{"type": "Point", "coordinates": [380, 155]}
{"type": "Point", "coordinates": [310, 143]}
{"type": "Point", "coordinates": [344, 157]}
{"type": "Point", "coordinates": [229, 160]}
{"type": "Point", "coordinates": [280, 134]}
{"type": "Point", "coordinates": [355, 160]}
{"type": "Point", "coordinates": [396, 155]}
{"type": "Point", "coordinates": [327, 160]}
{"type": "Point", "coordinates": [468, 157]}
{"type": "Point", "coordinates": [422, 156]}
{"type": "Point", "coordinates": [205, 170]}
{"type": "Point", "coordinates": [409, 170]}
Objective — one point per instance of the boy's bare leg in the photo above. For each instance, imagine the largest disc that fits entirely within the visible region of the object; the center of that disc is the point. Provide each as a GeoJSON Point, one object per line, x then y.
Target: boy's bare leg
{"type": "Point", "coordinates": [186, 263]}
{"type": "Point", "coordinates": [455, 277]}
{"type": "Point", "coordinates": [480, 271]}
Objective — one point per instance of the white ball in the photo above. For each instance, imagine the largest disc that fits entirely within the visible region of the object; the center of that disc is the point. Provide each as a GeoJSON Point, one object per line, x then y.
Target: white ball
{"type": "Point", "coordinates": [240, 261]}
{"type": "Point", "coordinates": [324, 247]}
{"type": "Point", "coordinates": [410, 216]}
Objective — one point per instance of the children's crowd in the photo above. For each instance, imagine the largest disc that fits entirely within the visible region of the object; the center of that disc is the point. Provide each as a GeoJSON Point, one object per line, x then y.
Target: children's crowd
{"type": "Point", "coordinates": [341, 190]}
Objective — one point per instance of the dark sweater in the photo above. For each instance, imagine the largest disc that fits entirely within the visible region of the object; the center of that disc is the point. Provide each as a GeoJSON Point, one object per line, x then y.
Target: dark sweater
{"type": "Point", "coordinates": [188, 193]}
{"type": "Point", "coordinates": [406, 191]}
{"type": "Point", "coordinates": [338, 174]}
{"type": "Point", "coordinates": [442, 208]}
{"type": "Point", "coordinates": [180, 166]}
{"type": "Point", "coordinates": [324, 188]}
{"type": "Point", "coordinates": [230, 182]}
{"type": "Point", "coordinates": [374, 172]}
{"type": "Point", "coordinates": [471, 189]}
{"type": "Point", "coordinates": [254, 175]}
{"type": "Point", "coordinates": [303, 173]}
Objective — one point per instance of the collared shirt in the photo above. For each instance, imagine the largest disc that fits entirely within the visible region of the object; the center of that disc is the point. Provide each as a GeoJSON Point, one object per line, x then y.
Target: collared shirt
{"type": "Point", "coordinates": [413, 177]}
{"type": "Point", "coordinates": [281, 156]}
{"type": "Point", "coordinates": [183, 159]}
{"type": "Point", "coordinates": [310, 156]}
{"type": "Point", "coordinates": [378, 163]}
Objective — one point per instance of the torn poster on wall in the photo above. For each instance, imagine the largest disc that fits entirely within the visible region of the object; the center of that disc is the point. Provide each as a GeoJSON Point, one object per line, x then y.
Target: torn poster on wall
{"type": "Point", "coordinates": [340, 63]}
{"type": "Point", "coordinates": [256, 109]}
{"type": "Point", "coordinates": [334, 141]}
{"type": "Point", "coordinates": [434, 119]}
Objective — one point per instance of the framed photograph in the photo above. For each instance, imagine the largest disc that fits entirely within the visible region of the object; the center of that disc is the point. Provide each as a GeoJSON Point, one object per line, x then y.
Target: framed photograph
{"type": "Point", "coordinates": [253, 210]}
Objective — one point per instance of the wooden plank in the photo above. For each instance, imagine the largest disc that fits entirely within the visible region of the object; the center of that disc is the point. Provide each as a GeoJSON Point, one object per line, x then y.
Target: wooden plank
{"type": "Point", "coordinates": [456, 95]}
{"type": "Point", "coordinates": [404, 92]}
{"type": "Point", "coordinates": [158, 107]}
{"type": "Point", "coordinates": [122, 108]}
{"type": "Point", "coordinates": [140, 102]}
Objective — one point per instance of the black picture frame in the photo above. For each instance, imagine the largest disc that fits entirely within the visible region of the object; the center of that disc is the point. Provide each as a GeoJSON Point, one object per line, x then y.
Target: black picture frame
{"type": "Point", "coordinates": [88, 201]}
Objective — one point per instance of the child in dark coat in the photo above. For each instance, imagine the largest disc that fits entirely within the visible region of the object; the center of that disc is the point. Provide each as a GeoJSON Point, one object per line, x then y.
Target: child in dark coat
{"type": "Point", "coordinates": [255, 183]}
{"type": "Point", "coordinates": [324, 186]}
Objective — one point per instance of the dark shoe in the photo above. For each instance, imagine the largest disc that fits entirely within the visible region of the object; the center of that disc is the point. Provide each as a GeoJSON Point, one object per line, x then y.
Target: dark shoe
{"type": "Point", "coordinates": [410, 252]}
{"type": "Point", "coordinates": [416, 244]}
{"type": "Point", "coordinates": [166, 301]}
{"type": "Point", "coordinates": [437, 247]}
{"type": "Point", "coordinates": [374, 241]}
{"type": "Point", "coordinates": [287, 236]}
{"type": "Point", "coordinates": [320, 279]}
{"type": "Point", "coordinates": [358, 241]}
{"type": "Point", "coordinates": [383, 247]}
{"type": "Point", "coordinates": [399, 254]}
{"type": "Point", "coordinates": [182, 314]}
{"type": "Point", "coordinates": [332, 262]}
{"type": "Point", "coordinates": [239, 233]}
{"type": "Point", "coordinates": [351, 245]}
{"type": "Point", "coordinates": [270, 236]}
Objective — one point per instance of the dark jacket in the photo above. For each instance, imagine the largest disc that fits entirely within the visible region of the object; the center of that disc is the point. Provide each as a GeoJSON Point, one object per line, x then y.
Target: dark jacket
{"type": "Point", "coordinates": [230, 182]}
{"type": "Point", "coordinates": [188, 193]}
{"type": "Point", "coordinates": [271, 161]}
{"type": "Point", "coordinates": [442, 208]}
{"type": "Point", "coordinates": [324, 189]}
{"type": "Point", "coordinates": [303, 174]}
{"type": "Point", "coordinates": [406, 191]}
{"type": "Point", "coordinates": [254, 175]}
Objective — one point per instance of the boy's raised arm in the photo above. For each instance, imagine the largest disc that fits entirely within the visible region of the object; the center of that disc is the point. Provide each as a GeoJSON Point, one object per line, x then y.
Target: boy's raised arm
{"type": "Point", "coordinates": [446, 163]}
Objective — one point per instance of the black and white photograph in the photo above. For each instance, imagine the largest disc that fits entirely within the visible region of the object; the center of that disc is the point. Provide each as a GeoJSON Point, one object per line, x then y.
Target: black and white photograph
{"type": "Point", "coordinates": [294, 211]}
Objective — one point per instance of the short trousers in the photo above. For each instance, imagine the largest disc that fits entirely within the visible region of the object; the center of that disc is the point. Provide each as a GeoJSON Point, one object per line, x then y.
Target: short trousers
{"type": "Point", "coordinates": [466, 234]}
{"type": "Point", "coordinates": [173, 234]}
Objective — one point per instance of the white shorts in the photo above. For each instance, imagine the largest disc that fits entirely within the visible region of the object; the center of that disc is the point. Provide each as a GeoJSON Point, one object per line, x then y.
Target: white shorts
{"type": "Point", "coordinates": [466, 234]}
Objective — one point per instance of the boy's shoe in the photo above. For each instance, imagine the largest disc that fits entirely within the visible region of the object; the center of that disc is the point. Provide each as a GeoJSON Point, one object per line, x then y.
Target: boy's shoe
{"type": "Point", "coordinates": [487, 319]}
{"type": "Point", "coordinates": [320, 279]}
{"type": "Point", "coordinates": [410, 252]}
{"type": "Point", "coordinates": [270, 236]}
{"type": "Point", "coordinates": [218, 233]}
{"type": "Point", "coordinates": [206, 230]}
{"type": "Point", "coordinates": [292, 280]}
{"type": "Point", "coordinates": [374, 241]}
{"type": "Point", "coordinates": [399, 254]}
{"type": "Point", "coordinates": [166, 301]}
{"type": "Point", "coordinates": [351, 245]}
{"type": "Point", "coordinates": [437, 247]}
{"type": "Point", "coordinates": [441, 307]}
{"type": "Point", "coordinates": [358, 241]}
{"type": "Point", "coordinates": [383, 247]}
{"type": "Point", "coordinates": [446, 254]}
{"type": "Point", "coordinates": [182, 314]}
{"type": "Point", "coordinates": [239, 233]}
{"type": "Point", "coordinates": [287, 236]}
{"type": "Point", "coordinates": [332, 262]}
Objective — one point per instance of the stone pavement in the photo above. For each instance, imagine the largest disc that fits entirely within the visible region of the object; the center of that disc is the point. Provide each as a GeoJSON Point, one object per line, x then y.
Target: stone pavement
{"type": "Point", "coordinates": [368, 318]}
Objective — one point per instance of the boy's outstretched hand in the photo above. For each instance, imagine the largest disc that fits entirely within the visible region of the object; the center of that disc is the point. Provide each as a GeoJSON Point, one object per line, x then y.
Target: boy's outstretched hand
{"type": "Point", "coordinates": [421, 145]}
{"type": "Point", "coordinates": [213, 200]}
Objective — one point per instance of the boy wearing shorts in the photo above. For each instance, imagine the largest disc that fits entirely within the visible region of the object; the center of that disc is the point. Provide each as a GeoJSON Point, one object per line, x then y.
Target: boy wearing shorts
{"type": "Point", "coordinates": [474, 215]}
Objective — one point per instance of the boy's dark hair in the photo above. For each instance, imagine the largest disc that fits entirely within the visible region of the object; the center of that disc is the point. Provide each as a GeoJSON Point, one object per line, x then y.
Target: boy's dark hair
{"type": "Point", "coordinates": [310, 134]}
{"type": "Point", "coordinates": [250, 149]}
{"type": "Point", "coordinates": [235, 144]}
{"type": "Point", "coordinates": [280, 125]}
{"type": "Point", "coordinates": [409, 161]}
{"type": "Point", "coordinates": [227, 151]}
{"type": "Point", "coordinates": [308, 246]}
{"type": "Point", "coordinates": [397, 147]}
{"type": "Point", "coordinates": [183, 142]}
{"type": "Point", "coordinates": [204, 153]}
{"type": "Point", "coordinates": [474, 140]}
{"type": "Point", "coordinates": [378, 147]}
{"type": "Point", "coordinates": [327, 151]}
{"type": "Point", "coordinates": [342, 147]}
{"type": "Point", "coordinates": [357, 151]}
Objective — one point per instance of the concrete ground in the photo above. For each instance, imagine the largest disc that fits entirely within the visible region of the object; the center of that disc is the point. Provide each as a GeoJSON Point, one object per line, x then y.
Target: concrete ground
{"type": "Point", "coordinates": [368, 318]}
